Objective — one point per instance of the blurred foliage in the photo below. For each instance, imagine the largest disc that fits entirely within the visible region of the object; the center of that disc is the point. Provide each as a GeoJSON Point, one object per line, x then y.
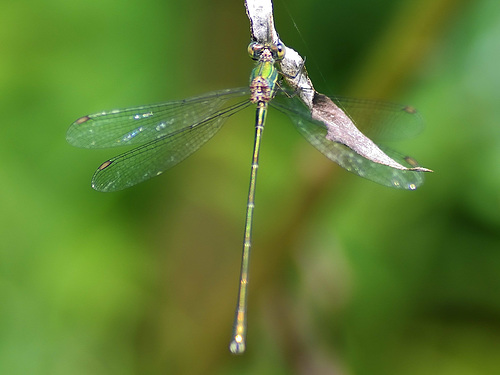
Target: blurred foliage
{"type": "Point", "coordinates": [347, 277]}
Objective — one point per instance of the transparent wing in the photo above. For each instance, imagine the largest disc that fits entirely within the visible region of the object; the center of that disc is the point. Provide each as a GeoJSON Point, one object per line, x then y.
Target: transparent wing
{"type": "Point", "coordinates": [316, 133]}
{"type": "Point", "coordinates": [138, 125]}
{"type": "Point", "coordinates": [379, 120]}
{"type": "Point", "coordinates": [382, 121]}
{"type": "Point", "coordinates": [156, 156]}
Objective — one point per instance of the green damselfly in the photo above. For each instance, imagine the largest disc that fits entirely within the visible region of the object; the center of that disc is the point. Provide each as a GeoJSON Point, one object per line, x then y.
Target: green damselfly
{"type": "Point", "coordinates": [165, 134]}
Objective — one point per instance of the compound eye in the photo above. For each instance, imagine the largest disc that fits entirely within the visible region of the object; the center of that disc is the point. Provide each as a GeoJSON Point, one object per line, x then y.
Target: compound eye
{"type": "Point", "coordinates": [279, 50]}
{"type": "Point", "coordinates": [255, 49]}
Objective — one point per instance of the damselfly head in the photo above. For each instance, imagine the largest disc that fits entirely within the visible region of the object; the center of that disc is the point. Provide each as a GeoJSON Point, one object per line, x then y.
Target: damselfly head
{"type": "Point", "coordinates": [276, 51]}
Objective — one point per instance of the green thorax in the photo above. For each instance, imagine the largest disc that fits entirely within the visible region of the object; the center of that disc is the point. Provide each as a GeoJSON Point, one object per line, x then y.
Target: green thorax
{"type": "Point", "coordinates": [265, 75]}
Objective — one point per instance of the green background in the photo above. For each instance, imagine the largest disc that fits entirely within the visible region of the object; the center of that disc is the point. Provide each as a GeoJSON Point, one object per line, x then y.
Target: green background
{"type": "Point", "coordinates": [347, 277]}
